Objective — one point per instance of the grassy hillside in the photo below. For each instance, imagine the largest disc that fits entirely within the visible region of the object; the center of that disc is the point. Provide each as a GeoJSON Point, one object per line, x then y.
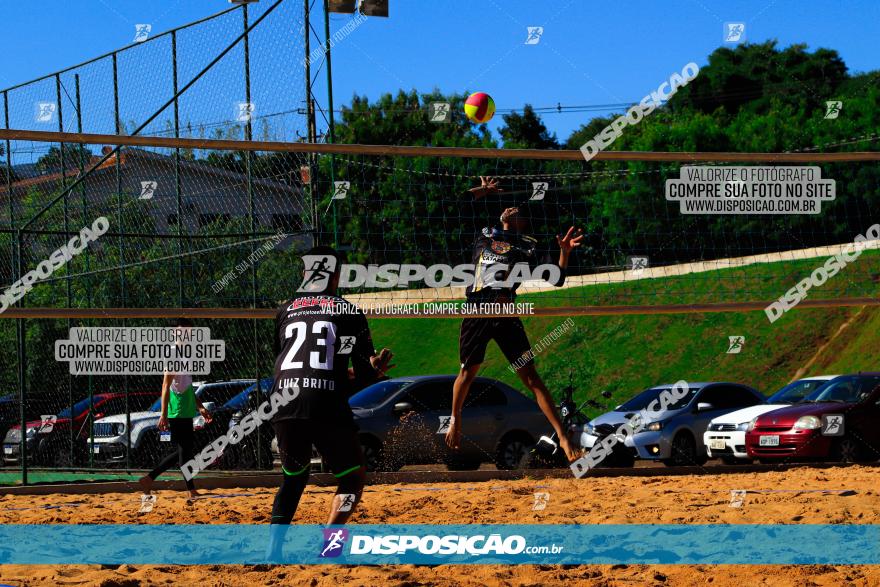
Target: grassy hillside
{"type": "Point", "coordinates": [624, 354]}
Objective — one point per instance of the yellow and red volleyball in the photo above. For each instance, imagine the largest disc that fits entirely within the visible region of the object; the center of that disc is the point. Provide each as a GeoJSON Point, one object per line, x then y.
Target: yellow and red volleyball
{"type": "Point", "coordinates": [479, 107]}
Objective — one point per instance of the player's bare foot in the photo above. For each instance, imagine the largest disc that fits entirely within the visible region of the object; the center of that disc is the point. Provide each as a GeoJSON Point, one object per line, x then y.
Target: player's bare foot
{"type": "Point", "coordinates": [453, 435]}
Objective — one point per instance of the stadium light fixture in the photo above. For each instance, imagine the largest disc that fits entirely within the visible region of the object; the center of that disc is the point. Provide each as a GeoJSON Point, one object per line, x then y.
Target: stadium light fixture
{"type": "Point", "coordinates": [374, 7]}
{"type": "Point", "coordinates": [342, 6]}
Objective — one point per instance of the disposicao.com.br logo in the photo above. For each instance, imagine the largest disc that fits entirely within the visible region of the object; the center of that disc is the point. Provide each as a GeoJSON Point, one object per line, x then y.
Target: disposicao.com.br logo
{"type": "Point", "coordinates": [452, 544]}
{"type": "Point", "coordinates": [491, 273]}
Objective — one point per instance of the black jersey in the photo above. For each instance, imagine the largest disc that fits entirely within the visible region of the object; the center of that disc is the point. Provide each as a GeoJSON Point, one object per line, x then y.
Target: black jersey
{"type": "Point", "coordinates": [499, 250]}
{"type": "Point", "coordinates": [315, 337]}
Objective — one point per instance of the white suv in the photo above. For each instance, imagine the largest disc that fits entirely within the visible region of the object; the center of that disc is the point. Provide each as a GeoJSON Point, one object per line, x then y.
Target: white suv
{"type": "Point", "coordinates": [110, 437]}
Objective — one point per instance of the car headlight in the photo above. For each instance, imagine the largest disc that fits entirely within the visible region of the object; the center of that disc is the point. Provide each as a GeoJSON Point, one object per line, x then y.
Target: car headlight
{"type": "Point", "coordinates": [745, 426]}
{"type": "Point", "coordinates": [119, 429]}
{"type": "Point", "coordinates": [751, 425]}
{"type": "Point", "coordinates": [654, 427]}
{"type": "Point", "coordinates": [31, 432]}
{"type": "Point", "coordinates": [589, 428]}
{"type": "Point", "coordinates": [808, 423]}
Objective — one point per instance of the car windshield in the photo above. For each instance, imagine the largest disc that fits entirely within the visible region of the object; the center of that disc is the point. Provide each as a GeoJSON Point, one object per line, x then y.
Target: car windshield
{"type": "Point", "coordinates": [376, 394]}
{"type": "Point", "coordinates": [157, 405]}
{"type": "Point", "coordinates": [848, 390]}
{"type": "Point", "coordinates": [796, 391]}
{"type": "Point", "coordinates": [239, 402]}
{"type": "Point", "coordinates": [644, 399]}
{"type": "Point", "coordinates": [78, 408]}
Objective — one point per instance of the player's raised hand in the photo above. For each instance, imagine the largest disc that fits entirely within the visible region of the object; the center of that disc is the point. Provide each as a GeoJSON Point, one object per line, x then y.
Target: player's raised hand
{"type": "Point", "coordinates": [381, 361]}
{"type": "Point", "coordinates": [572, 239]}
{"type": "Point", "coordinates": [488, 185]}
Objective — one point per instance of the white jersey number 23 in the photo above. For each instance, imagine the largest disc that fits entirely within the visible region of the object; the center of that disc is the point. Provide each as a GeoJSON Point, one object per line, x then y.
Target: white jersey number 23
{"type": "Point", "coordinates": [298, 330]}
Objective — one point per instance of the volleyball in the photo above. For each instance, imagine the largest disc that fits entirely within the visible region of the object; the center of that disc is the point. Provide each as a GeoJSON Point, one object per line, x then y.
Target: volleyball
{"type": "Point", "coordinates": [479, 107]}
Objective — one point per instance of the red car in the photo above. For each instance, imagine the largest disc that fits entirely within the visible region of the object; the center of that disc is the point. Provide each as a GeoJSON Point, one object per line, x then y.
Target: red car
{"type": "Point", "coordinates": [48, 441]}
{"type": "Point", "coordinates": [837, 422]}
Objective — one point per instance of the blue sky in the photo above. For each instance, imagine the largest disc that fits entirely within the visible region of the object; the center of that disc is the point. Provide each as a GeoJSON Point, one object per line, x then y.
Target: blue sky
{"type": "Point", "coordinates": [591, 52]}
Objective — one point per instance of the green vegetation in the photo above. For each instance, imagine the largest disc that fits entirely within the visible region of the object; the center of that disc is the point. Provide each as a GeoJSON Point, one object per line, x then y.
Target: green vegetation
{"type": "Point", "coordinates": [751, 98]}
{"type": "Point", "coordinates": [624, 354]}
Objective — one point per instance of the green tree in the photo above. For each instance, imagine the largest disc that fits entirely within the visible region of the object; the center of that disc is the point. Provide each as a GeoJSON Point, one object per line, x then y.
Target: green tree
{"type": "Point", "coordinates": [526, 131]}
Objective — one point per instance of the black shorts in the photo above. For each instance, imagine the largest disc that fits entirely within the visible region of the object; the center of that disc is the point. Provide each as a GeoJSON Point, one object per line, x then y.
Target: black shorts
{"type": "Point", "coordinates": [508, 332]}
{"type": "Point", "coordinates": [337, 443]}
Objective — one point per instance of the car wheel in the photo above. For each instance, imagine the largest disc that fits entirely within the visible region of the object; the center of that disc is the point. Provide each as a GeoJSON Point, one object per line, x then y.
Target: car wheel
{"type": "Point", "coordinates": [846, 450]}
{"type": "Point", "coordinates": [59, 455]}
{"type": "Point", "coordinates": [684, 451]}
{"type": "Point", "coordinates": [247, 457]}
{"type": "Point", "coordinates": [536, 458]}
{"type": "Point", "coordinates": [375, 458]}
{"type": "Point", "coordinates": [148, 454]}
{"type": "Point", "coordinates": [511, 450]}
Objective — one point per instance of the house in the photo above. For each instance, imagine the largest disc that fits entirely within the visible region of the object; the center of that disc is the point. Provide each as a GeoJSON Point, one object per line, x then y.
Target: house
{"type": "Point", "coordinates": [209, 193]}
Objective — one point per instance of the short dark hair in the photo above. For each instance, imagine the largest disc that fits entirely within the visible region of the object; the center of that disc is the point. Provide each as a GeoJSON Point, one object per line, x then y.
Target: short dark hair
{"type": "Point", "coordinates": [184, 322]}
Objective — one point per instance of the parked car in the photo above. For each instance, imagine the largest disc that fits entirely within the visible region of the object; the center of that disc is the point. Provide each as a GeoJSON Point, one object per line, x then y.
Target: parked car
{"type": "Point", "coordinates": [37, 405]}
{"type": "Point", "coordinates": [222, 414]}
{"type": "Point", "coordinates": [726, 436]}
{"type": "Point", "coordinates": [48, 442]}
{"type": "Point", "coordinates": [799, 432]}
{"type": "Point", "coordinates": [676, 438]}
{"type": "Point", "coordinates": [400, 423]}
{"type": "Point", "coordinates": [110, 438]}
{"type": "Point", "coordinates": [254, 451]}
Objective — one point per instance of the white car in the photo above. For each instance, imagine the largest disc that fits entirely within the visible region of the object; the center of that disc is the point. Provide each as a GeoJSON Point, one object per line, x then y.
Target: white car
{"type": "Point", "coordinates": [726, 436]}
{"type": "Point", "coordinates": [110, 438]}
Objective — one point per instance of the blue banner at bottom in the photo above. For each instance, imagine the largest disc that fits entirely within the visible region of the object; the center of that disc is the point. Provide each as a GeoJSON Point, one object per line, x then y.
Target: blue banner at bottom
{"type": "Point", "coordinates": [440, 544]}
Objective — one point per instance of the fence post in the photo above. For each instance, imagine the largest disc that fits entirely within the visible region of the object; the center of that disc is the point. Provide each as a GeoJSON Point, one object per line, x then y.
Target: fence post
{"type": "Point", "coordinates": [66, 223]}
{"type": "Point", "coordinates": [9, 176]}
{"type": "Point", "coordinates": [249, 136]}
{"type": "Point", "coordinates": [121, 242]}
{"type": "Point", "coordinates": [331, 127]}
{"type": "Point", "coordinates": [310, 126]}
{"type": "Point", "coordinates": [22, 367]}
{"type": "Point", "coordinates": [85, 222]}
{"type": "Point", "coordinates": [177, 184]}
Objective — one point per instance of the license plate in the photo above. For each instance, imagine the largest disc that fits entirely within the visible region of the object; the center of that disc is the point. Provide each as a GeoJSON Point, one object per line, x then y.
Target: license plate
{"type": "Point", "coordinates": [165, 437]}
{"type": "Point", "coordinates": [7, 450]}
{"type": "Point", "coordinates": [97, 449]}
{"type": "Point", "coordinates": [770, 440]}
{"type": "Point", "coordinates": [717, 444]}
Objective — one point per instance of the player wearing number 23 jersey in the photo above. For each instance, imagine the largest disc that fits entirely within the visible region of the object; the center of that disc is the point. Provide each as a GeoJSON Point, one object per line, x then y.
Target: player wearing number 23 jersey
{"type": "Point", "coordinates": [317, 335]}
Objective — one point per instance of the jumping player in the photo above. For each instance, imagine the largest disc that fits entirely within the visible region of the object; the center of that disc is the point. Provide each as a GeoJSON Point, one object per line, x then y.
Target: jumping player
{"type": "Point", "coordinates": [504, 247]}
{"type": "Point", "coordinates": [317, 333]}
